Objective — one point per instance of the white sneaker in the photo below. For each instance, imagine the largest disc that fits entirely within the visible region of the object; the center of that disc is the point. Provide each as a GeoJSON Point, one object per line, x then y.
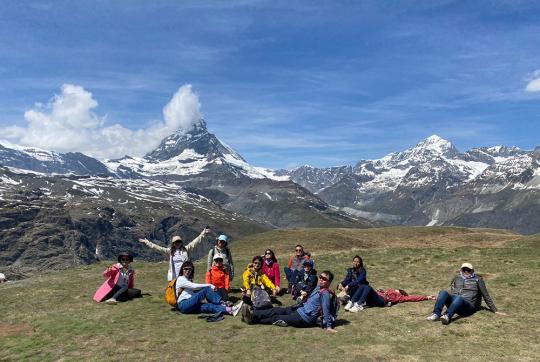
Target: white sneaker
{"type": "Point", "coordinates": [236, 308]}
{"type": "Point", "coordinates": [434, 317]}
{"type": "Point", "coordinates": [348, 306]}
{"type": "Point", "coordinates": [356, 308]}
{"type": "Point", "coordinates": [111, 301]}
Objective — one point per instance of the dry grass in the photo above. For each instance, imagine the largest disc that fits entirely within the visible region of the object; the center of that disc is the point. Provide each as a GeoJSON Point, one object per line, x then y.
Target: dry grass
{"type": "Point", "coordinates": [65, 324]}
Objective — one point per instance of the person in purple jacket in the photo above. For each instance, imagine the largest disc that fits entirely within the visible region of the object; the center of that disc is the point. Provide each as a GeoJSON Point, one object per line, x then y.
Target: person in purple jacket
{"type": "Point", "coordinates": [355, 278]}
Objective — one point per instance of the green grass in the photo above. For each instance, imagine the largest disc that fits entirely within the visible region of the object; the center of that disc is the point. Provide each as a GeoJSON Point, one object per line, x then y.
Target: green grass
{"type": "Point", "coordinates": [52, 317]}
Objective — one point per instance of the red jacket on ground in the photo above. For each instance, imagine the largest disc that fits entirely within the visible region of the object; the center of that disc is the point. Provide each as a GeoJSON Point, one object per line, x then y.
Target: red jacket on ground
{"type": "Point", "coordinates": [394, 296]}
{"type": "Point", "coordinates": [218, 277]}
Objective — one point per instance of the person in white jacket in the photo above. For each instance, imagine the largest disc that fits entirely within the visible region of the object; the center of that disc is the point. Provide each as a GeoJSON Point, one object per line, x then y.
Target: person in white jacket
{"type": "Point", "coordinates": [179, 254]}
{"type": "Point", "coordinates": [191, 296]}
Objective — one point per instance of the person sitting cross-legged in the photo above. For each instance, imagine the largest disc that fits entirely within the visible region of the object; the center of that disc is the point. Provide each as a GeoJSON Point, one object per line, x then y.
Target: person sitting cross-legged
{"type": "Point", "coordinates": [317, 305]}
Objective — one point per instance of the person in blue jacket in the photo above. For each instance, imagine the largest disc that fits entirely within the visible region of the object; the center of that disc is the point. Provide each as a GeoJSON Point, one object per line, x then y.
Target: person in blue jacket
{"type": "Point", "coordinates": [317, 305]}
{"type": "Point", "coordinates": [355, 278]}
{"type": "Point", "coordinates": [306, 281]}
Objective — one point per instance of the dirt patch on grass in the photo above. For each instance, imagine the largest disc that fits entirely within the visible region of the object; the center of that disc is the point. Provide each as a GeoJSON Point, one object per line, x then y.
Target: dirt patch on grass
{"type": "Point", "coordinates": [7, 330]}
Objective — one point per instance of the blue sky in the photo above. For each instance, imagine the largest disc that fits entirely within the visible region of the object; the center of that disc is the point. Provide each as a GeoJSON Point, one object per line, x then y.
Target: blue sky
{"type": "Point", "coordinates": [284, 83]}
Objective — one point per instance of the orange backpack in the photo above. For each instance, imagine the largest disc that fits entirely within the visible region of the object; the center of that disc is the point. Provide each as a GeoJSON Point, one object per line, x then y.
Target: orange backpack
{"type": "Point", "coordinates": [170, 293]}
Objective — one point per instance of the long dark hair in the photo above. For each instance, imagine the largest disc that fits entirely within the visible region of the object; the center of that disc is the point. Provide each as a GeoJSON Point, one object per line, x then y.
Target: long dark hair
{"type": "Point", "coordinates": [272, 253]}
{"type": "Point", "coordinates": [361, 261]}
{"type": "Point", "coordinates": [187, 264]}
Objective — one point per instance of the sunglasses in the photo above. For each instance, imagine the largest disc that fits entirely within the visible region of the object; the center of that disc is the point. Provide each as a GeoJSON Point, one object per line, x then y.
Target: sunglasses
{"type": "Point", "coordinates": [299, 249]}
{"type": "Point", "coordinates": [322, 277]}
{"type": "Point", "coordinates": [267, 253]}
{"type": "Point", "coordinates": [124, 259]}
{"type": "Point", "coordinates": [467, 270]}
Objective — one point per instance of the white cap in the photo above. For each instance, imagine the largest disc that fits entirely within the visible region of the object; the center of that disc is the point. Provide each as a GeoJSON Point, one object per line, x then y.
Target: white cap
{"type": "Point", "coordinates": [218, 256]}
{"type": "Point", "coordinates": [2, 277]}
{"type": "Point", "coordinates": [467, 265]}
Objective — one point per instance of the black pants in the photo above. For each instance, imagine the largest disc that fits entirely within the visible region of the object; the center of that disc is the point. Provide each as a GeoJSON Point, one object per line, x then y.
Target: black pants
{"type": "Point", "coordinates": [125, 296]}
{"type": "Point", "coordinates": [288, 315]}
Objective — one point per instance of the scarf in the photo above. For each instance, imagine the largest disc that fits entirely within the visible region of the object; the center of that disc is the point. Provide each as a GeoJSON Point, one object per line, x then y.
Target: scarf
{"type": "Point", "coordinates": [473, 275]}
{"type": "Point", "coordinates": [268, 262]}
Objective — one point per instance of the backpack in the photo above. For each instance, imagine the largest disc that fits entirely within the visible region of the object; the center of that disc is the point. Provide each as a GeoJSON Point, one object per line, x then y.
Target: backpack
{"type": "Point", "coordinates": [170, 293]}
{"type": "Point", "coordinates": [334, 309]}
{"type": "Point", "coordinates": [260, 298]}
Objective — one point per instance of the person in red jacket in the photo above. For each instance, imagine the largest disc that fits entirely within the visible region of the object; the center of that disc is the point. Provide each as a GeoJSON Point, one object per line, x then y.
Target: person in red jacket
{"type": "Point", "coordinates": [270, 267]}
{"type": "Point", "coordinates": [395, 296]}
{"type": "Point", "coordinates": [219, 277]}
{"type": "Point", "coordinates": [370, 297]}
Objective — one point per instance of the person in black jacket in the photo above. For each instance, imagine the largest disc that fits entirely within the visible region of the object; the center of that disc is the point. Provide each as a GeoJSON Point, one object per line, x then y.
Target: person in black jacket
{"type": "Point", "coordinates": [306, 281]}
{"type": "Point", "coordinates": [465, 297]}
{"type": "Point", "coordinates": [355, 278]}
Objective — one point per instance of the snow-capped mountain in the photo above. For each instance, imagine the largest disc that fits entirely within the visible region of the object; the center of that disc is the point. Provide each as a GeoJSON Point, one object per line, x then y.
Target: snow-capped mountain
{"type": "Point", "coordinates": [183, 155]}
{"type": "Point", "coordinates": [404, 185]}
{"type": "Point", "coordinates": [49, 162]}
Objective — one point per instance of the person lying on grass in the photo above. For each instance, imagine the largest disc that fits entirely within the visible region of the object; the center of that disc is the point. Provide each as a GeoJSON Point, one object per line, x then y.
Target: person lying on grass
{"type": "Point", "coordinates": [219, 277]}
{"type": "Point", "coordinates": [119, 286]}
{"type": "Point", "coordinates": [191, 295]}
{"type": "Point", "coordinates": [354, 279]}
{"type": "Point", "coordinates": [369, 297]}
{"type": "Point", "coordinates": [317, 305]}
{"type": "Point", "coordinates": [177, 253]}
{"type": "Point", "coordinates": [465, 297]}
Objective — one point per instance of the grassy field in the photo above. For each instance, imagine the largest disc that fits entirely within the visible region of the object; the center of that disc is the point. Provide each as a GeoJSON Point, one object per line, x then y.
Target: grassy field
{"type": "Point", "coordinates": [52, 317]}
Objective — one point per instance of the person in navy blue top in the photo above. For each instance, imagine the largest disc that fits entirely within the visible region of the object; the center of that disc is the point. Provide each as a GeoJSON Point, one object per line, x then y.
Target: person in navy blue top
{"type": "Point", "coordinates": [356, 278]}
{"type": "Point", "coordinates": [305, 315]}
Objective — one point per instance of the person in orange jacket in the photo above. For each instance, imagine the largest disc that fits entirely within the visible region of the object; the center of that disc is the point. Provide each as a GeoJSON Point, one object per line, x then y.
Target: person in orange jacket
{"type": "Point", "coordinates": [219, 276]}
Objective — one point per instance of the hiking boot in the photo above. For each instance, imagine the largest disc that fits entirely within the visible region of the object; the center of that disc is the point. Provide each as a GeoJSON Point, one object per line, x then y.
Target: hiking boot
{"type": "Point", "coordinates": [247, 314]}
{"type": "Point", "coordinates": [348, 306]}
{"type": "Point", "coordinates": [434, 317]}
{"type": "Point", "coordinates": [357, 307]}
{"type": "Point", "coordinates": [445, 320]}
{"type": "Point", "coordinates": [227, 303]}
{"type": "Point", "coordinates": [236, 308]}
{"type": "Point", "coordinates": [280, 323]}
{"type": "Point", "coordinates": [111, 301]}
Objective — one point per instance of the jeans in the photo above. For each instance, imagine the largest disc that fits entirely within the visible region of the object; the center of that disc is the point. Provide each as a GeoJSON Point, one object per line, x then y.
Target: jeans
{"type": "Point", "coordinates": [290, 274]}
{"type": "Point", "coordinates": [122, 294]}
{"type": "Point", "coordinates": [195, 305]}
{"type": "Point", "coordinates": [454, 304]}
{"type": "Point", "coordinates": [289, 315]}
{"type": "Point", "coordinates": [366, 294]}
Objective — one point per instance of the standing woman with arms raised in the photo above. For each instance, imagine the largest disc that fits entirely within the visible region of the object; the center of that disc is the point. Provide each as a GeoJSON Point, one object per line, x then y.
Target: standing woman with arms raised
{"type": "Point", "coordinates": [178, 254]}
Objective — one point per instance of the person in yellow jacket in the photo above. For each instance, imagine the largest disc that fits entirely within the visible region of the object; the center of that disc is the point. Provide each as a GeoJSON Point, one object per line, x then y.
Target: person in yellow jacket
{"type": "Point", "coordinates": [254, 276]}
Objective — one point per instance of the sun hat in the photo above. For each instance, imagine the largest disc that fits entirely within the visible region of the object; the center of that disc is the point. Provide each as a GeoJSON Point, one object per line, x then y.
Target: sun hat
{"type": "Point", "coordinates": [176, 238]}
{"type": "Point", "coordinates": [467, 265]}
{"type": "Point", "coordinates": [129, 256]}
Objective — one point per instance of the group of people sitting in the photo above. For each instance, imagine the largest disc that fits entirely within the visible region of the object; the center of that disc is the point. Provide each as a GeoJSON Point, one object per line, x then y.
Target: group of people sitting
{"type": "Point", "coordinates": [314, 301]}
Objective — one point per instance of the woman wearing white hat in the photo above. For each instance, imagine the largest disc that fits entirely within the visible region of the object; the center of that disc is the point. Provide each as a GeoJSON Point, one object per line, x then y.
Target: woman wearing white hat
{"type": "Point", "coordinates": [178, 253]}
{"type": "Point", "coordinates": [465, 297]}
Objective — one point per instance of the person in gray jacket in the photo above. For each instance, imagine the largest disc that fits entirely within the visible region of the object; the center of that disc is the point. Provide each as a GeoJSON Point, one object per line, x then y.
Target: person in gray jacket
{"type": "Point", "coordinates": [465, 297]}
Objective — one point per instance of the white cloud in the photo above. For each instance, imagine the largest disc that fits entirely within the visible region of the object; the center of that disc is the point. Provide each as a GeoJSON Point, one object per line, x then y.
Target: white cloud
{"type": "Point", "coordinates": [68, 123]}
{"type": "Point", "coordinates": [534, 82]}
